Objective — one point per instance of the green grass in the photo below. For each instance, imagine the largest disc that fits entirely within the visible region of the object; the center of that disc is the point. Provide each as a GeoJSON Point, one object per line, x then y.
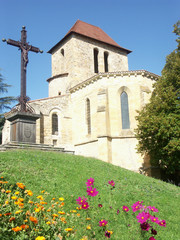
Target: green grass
{"type": "Point", "coordinates": [65, 176]}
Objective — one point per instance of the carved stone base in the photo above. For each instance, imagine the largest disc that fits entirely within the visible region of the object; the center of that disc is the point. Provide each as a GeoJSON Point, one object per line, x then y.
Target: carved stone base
{"type": "Point", "coordinates": [23, 127]}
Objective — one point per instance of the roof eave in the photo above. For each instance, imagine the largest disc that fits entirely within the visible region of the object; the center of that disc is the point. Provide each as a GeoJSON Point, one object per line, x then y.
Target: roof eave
{"type": "Point", "coordinates": [119, 47]}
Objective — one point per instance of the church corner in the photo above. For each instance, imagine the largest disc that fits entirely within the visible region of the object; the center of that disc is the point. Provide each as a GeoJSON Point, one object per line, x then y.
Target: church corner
{"type": "Point", "coordinates": [93, 99]}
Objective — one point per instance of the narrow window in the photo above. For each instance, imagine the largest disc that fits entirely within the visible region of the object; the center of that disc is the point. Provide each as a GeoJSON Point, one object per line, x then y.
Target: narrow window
{"type": "Point", "coordinates": [62, 52]}
{"type": "Point", "coordinates": [125, 111]}
{"type": "Point", "coordinates": [88, 116]}
{"type": "Point", "coordinates": [106, 61]}
{"type": "Point", "coordinates": [96, 60]}
{"type": "Point", "coordinates": [55, 124]}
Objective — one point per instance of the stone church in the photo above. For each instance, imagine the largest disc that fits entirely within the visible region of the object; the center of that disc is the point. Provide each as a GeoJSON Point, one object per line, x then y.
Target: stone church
{"type": "Point", "coordinates": [93, 98]}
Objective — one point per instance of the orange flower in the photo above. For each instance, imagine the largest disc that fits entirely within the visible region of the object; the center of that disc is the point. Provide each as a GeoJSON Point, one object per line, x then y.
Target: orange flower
{"type": "Point", "coordinates": [55, 215]}
{"type": "Point", "coordinates": [0, 215]}
{"type": "Point", "coordinates": [17, 229]}
{"type": "Point", "coordinates": [20, 185]}
{"type": "Point", "coordinates": [7, 214]}
{"type": "Point", "coordinates": [29, 192]}
{"type": "Point", "coordinates": [8, 191]}
{"type": "Point", "coordinates": [12, 219]}
{"type": "Point", "coordinates": [20, 199]}
{"type": "Point", "coordinates": [33, 219]}
{"type": "Point", "coordinates": [24, 226]}
{"type": "Point", "coordinates": [78, 214]}
{"type": "Point", "coordinates": [63, 219]}
{"type": "Point", "coordinates": [62, 213]}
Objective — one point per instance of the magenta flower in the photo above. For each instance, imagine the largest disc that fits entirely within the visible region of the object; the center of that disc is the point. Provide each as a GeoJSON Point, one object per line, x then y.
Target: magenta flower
{"type": "Point", "coordinates": [90, 182]}
{"type": "Point", "coordinates": [118, 211]}
{"type": "Point", "coordinates": [125, 209]}
{"type": "Point", "coordinates": [100, 205]}
{"type": "Point", "coordinates": [153, 209]}
{"type": "Point", "coordinates": [152, 238]}
{"type": "Point", "coordinates": [80, 200]}
{"type": "Point", "coordinates": [136, 206]}
{"type": "Point", "coordinates": [162, 223]}
{"type": "Point", "coordinates": [145, 226]}
{"type": "Point", "coordinates": [142, 217]}
{"type": "Point", "coordinates": [112, 183]}
{"type": "Point", "coordinates": [85, 205]}
{"type": "Point", "coordinates": [154, 219]}
{"type": "Point", "coordinates": [92, 192]}
{"type": "Point", "coordinates": [103, 223]}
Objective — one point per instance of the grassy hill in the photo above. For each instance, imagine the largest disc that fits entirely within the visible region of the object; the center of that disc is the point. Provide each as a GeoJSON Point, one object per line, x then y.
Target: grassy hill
{"type": "Point", "coordinates": [65, 176]}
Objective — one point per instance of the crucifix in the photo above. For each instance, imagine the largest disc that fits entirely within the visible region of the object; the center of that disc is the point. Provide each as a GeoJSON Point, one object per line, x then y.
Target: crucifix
{"type": "Point", "coordinates": [25, 48]}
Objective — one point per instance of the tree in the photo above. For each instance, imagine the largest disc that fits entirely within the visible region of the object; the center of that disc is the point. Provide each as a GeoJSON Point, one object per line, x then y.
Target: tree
{"type": "Point", "coordinates": [158, 130]}
{"type": "Point", "coordinates": [4, 102]}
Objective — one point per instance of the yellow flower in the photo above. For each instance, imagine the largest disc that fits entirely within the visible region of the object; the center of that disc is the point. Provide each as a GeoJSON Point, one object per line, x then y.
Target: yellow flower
{"type": "Point", "coordinates": [14, 197]}
{"type": "Point", "coordinates": [42, 191]}
{"type": "Point", "coordinates": [61, 199]}
{"type": "Point", "coordinates": [68, 229]}
{"type": "Point", "coordinates": [17, 192]}
{"type": "Point", "coordinates": [55, 215]}
{"type": "Point", "coordinates": [40, 197]}
{"type": "Point", "coordinates": [48, 210]}
{"type": "Point", "coordinates": [19, 211]}
{"type": "Point", "coordinates": [40, 238]}
{"type": "Point", "coordinates": [73, 211]}
{"type": "Point", "coordinates": [37, 210]}
{"type": "Point", "coordinates": [88, 219]}
{"type": "Point", "coordinates": [7, 202]}
{"type": "Point", "coordinates": [48, 222]}
{"type": "Point", "coordinates": [31, 202]}
{"type": "Point", "coordinates": [88, 227]}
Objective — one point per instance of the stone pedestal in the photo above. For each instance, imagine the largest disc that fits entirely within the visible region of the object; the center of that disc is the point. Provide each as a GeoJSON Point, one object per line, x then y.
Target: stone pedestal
{"type": "Point", "coordinates": [23, 126]}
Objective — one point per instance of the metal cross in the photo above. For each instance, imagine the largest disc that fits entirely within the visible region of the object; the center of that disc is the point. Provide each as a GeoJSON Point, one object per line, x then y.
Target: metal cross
{"type": "Point", "coordinates": [25, 48]}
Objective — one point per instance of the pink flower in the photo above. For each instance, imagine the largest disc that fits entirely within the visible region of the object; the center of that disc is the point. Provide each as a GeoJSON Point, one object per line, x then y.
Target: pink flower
{"type": "Point", "coordinates": [153, 209]}
{"type": "Point", "coordinates": [90, 182]}
{"type": "Point", "coordinates": [162, 223]}
{"type": "Point", "coordinates": [152, 238]}
{"type": "Point", "coordinates": [112, 183]}
{"type": "Point", "coordinates": [154, 219]}
{"type": "Point", "coordinates": [85, 205]}
{"type": "Point", "coordinates": [103, 223]}
{"type": "Point", "coordinates": [92, 192]}
{"type": "Point", "coordinates": [125, 208]}
{"type": "Point", "coordinates": [80, 200]}
{"type": "Point", "coordinates": [142, 217]}
{"type": "Point", "coordinates": [136, 206]}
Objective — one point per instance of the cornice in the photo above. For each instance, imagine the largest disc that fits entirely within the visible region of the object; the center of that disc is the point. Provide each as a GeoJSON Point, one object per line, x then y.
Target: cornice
{"type": "Point", "coordinates": [98, 76]}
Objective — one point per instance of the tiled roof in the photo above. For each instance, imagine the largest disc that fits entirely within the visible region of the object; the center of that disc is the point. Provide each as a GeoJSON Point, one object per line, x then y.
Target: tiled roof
{"type": "Point", "coordinates": [92, 32]}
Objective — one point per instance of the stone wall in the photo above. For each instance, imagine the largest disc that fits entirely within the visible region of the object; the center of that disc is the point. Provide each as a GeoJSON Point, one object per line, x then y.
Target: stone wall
{"type": "Point", "coordinates": [78, 62]}
{"type": "Point", "coordinates": [111, 143]}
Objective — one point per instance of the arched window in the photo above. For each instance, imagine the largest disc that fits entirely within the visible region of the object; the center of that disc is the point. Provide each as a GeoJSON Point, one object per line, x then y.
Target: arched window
{"type": "Point", "coordinates": [54, 124]}
{"type": "Point", "coordinates": [62, 52]}
{"type": "Point", "coordinates": [125, 111]}
{"type": "Point", "coordinates": [96, 60]}
{"type": "Point", "coordinates": [106, 61]}
{"type": "Point", "coordinates": [88, 116]}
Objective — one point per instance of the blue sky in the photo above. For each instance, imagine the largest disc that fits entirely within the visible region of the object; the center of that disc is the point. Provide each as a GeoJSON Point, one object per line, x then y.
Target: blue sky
{"type": "Point", "coordinates": [143, 26]}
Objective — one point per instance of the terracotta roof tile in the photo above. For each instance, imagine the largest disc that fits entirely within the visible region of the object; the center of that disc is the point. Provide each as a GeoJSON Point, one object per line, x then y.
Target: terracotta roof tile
{"type": "Point", "coordinates": [92, 32]}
